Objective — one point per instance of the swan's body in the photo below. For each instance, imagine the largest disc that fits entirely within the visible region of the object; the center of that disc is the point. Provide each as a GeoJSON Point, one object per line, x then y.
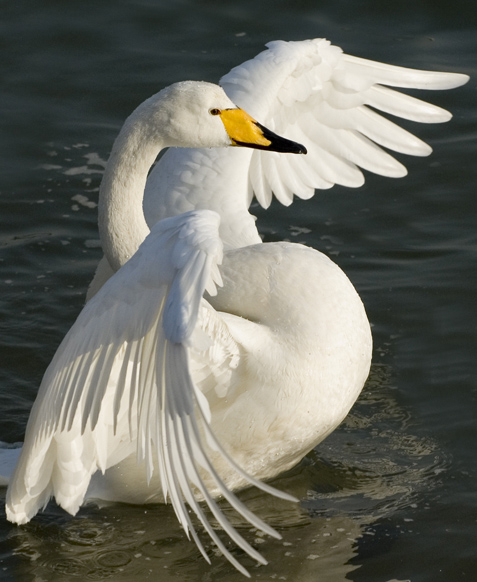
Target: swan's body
{"type": "Point", "coordinates": [281, 352]}
{"type": "Point", "coordinates": [268, 353]}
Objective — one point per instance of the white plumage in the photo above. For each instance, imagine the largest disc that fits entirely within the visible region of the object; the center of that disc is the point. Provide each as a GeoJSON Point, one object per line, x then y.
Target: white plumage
{"type": "Point", "coordinates": [159, 391]}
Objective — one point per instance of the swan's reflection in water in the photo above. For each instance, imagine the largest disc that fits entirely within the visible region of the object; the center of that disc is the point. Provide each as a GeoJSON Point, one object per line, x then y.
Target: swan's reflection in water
{"type": "Point", "coordinates": [368, 469]}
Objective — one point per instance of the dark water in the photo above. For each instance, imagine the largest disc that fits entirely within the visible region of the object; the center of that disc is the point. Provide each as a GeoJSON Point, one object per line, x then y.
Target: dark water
{"type": "Point", "coordinates": [391, 495]}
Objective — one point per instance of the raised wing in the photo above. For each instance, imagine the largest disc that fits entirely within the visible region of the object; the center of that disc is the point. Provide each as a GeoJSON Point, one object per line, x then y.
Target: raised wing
{"type": "Point", "coordinates": [120, 383]}
{"type": "Point", "coordinates": [311, 92]}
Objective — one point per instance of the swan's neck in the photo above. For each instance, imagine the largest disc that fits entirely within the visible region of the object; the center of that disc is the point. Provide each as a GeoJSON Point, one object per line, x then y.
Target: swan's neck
{"type": "Point", "coordinates": [122, 226]}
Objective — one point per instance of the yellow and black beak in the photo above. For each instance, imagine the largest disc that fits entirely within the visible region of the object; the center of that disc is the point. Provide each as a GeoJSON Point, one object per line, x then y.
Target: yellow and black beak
{"type": "Point", "coordinates": [244, 131]}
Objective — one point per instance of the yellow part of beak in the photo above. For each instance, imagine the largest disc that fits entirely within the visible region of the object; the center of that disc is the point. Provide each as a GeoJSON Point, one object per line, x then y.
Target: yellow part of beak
{"type": "Point", "coordinates": [244, 131]}
{"type": "Point", "coordinates": [242, 128]}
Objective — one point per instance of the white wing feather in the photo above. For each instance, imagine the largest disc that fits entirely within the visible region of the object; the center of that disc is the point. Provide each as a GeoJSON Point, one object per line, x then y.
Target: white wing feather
{"type": "Point", "coordinates": [121, 381]}
{"type": "Point", "coordinates": [313, 93]}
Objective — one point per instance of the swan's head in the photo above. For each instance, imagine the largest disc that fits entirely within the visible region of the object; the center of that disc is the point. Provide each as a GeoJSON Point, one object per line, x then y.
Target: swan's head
{"type": "Point", "coordinates": [199, 114]}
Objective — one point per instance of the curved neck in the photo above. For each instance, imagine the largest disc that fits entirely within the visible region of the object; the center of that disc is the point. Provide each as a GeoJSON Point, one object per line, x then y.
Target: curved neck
{"type": "Point", "coordinates": [122, 226]}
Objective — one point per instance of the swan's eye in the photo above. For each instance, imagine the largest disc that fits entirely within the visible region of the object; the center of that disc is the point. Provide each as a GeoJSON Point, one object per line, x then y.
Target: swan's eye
{"type": "Point", "coordinates": [214, 111]}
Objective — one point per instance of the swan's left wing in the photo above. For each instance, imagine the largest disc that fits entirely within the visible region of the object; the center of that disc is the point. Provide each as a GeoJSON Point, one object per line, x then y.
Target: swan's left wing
{"type": "Point", "coordinates": [313, 93]}
{"type": "Point", "coordinates": [120, 381]}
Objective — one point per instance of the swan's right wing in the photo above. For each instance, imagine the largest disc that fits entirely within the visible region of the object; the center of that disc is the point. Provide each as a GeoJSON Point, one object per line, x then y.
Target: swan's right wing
{"type": "Point", "coordinates": [121, 381]}
{"type": "Point", "coordinates": [312, 93]}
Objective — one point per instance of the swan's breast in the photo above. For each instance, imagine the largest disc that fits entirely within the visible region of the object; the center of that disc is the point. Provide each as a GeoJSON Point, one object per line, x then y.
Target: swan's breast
{"type": "Point", "coordinates": [306, 346]}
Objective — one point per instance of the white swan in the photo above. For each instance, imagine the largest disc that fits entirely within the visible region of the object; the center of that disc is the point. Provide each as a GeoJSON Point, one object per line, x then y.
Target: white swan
{"type": "Point", "coordinates": [281, 352]}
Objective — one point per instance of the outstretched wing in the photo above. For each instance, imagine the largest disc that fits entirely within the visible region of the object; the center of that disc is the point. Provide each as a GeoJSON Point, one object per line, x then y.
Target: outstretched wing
{"type": "Point", "coordinates": [311, 92]}
{"type": "Point", "coordinates": [120, 382]}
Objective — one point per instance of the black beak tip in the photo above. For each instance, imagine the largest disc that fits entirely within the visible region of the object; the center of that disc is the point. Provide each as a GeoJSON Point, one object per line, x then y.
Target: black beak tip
{"type": "Point", "coordinates": [281, 144]}
{"type": "Point", "coordinates": [287, 146]}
